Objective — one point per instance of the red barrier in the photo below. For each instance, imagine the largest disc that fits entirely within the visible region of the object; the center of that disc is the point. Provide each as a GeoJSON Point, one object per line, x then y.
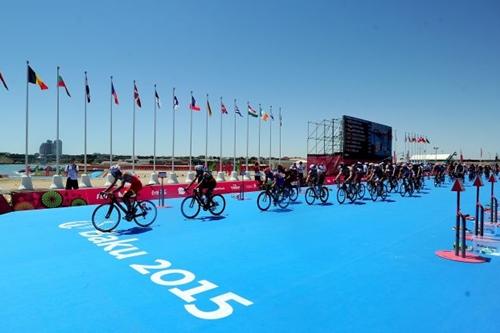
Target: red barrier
{"type": "Point", "coordinates": [90, 196]}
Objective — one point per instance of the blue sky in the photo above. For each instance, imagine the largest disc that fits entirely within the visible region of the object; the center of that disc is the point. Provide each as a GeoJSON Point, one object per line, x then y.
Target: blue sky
{"type": "Point", "coordinates": [431, 67]}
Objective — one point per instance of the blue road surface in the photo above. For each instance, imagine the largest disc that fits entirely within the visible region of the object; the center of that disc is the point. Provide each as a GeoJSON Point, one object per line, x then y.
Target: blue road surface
{"type": "Point", "coordinates": [366, 267]}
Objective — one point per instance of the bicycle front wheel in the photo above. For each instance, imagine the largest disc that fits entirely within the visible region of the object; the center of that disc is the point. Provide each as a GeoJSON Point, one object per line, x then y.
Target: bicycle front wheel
{"type": "Point", "coordinates": [264, 201]}
{"type": "Point", "coordinates": [324, 195]}
{"type": "Point", "coordinates": [106, 217]}
{"type": "Point", "coordinates": [218, 205]}
{"type": "Point", "coordinates": [361, 191]}
{"type": "Point", "coordinates": [190, 207]}
{"type": "Point", "coordinates": [341, 195]}
{"type": "Point", "coordinates": [283, 199]}
{"type": "Point", "coordinates": [310, 196]}
{"type": "Point", "coordinates": [294, 193]}
{"type": "Point", "coordinates": [146, 213]}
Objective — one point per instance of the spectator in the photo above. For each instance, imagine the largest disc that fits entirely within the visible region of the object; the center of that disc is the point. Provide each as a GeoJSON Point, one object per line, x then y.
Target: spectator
{"type": "Point", "coordinates": [256, 170]}
{"type": "Point", "coordinates": [300, 170]}
{"type": "Point", "coordinates": [71, 171]}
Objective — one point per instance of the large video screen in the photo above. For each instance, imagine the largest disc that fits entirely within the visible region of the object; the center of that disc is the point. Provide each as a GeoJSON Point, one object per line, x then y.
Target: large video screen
{"type": "Point", "coordinates": [366, 140]}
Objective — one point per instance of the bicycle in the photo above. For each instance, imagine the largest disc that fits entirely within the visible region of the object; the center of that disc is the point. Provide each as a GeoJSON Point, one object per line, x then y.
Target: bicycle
{"type": "Point", "coordinates": [317, 192]}
{"type": "Point", "coordinates": [294, 190]}
{"type": "Point", "coordinates": [268, 196]}
{"type": "Point", "coordinates": [348, 191]}
{"type": "Point", "coordinates": [379, 190]}
{"type": "Point", "coordinates": [192, 204]}
{"type": "Point", "coordinates": [107, 216]}
{"type": "Point", "coordinates": [438, 180]}
{"type": "Point", "coordinates": [406, 188]}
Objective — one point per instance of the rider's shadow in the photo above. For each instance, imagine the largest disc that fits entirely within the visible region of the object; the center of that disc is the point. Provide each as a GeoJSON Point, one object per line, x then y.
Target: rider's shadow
{"type": "Point", "coordinates": [360, 203]}
{"type": "Point", "coordinates": [325, 204]}
{"type": "Point", "coordinates": [296, 202]}
{"type": "Point", "coordinates": [210, 218]}
{"type": "Point", "coordinates": [281, 210]}
{"type": "Point", "coordinates": [133, 231]}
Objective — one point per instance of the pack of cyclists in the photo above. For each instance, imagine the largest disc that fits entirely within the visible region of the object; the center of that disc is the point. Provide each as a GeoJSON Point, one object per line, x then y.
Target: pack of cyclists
{"type": "Point", "coordinates": [385, 175]}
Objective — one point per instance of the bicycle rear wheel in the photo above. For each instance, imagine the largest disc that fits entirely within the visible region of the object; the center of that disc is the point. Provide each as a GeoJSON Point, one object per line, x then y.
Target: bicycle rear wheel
{"type": "Point", "coordinates": [146, 213]}
{"type": "Point", "coordinates": [190, 207]}
{"type": "Point", "coordinates": [106, 217]}
{"type": "Point", "coordinates": [310, 196]}
{"type": "Point", "coordinates": [402, 189]}
{"type": "Point", "coordinates": [218, 205]}
{"type": "Point", "coordinates": [264, 201]}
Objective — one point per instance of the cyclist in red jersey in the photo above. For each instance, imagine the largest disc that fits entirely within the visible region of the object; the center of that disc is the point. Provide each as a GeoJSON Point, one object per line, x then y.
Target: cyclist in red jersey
{"type": "Point", "coordinates": [133, 190]}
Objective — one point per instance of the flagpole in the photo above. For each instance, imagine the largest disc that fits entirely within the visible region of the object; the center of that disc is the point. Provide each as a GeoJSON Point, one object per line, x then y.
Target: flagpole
{"type": "Point", "coordinates": [248, 137]}
{"type": "Point", "coordinates": [220, 158]}
{"type": "Point", "coordinates": [206, 137]}
{"type": "Point", "coordinates": [27, 122]}
{"type": "Point", "coordinates": [270, 134]}
{"type": "Point", "coordinates": [154, 134]}
{"type": "Point", "coordinates": [260, 114]}
{"type": "Point", "coordinates": [173, 128]}
{"type": "Point", "coordinates": [234, 143]}
{"type": "Point", "coordinates": [111, 128]}
{"type": "Point", "coordinates": [85, 128]}
{"type": "Point", "coordinates": [191, 135]}
{"type": "Point", "coordinates": [133, 130]}
{"type": "Point", "coordinates": [280, 138]}
{"type": "Point", "coordinates": [57, 123]}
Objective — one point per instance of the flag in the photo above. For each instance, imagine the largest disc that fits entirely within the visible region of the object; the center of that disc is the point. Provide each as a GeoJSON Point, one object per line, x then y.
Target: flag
{"type": "Point", "coordinates": [461, 156]}
{"type": "Point", "coordinates": [157, 99]}
{"type": "Point", "coordinates": [223, 109]}
{"type": "Point", "coordinates": [406, 138]}
{"type": "Point", "coordinates": [87, 90]}
{"type": "Point", "coordinates": [176, 103]}
{"type": "Point", "coordinates": [237, 110]}
{"type": "Point", "coordinates": [281, 120]}
{"type": "Point", "coordinates": [481, 153]}
{"type": "Point", "coordinates": [137, 98]}
{"type": "Point", "coordinates": [209, 109]}
{"type": "Point", "coordinates": [115, 95]}
{"type": "Point", "coordinates": [252, 112]}
{"type": "Point", "coordinates": [3, 82]}
{"type": "Point", "coordinates": [271, 115]}
{"type": "Point", "coordinates": [427, 140]}
{"type": "Point", "coordinates": [264, 116]}
{"type": "Point", "coordinates": [60, 83]}
{"type": "Point", "coordinates": [35, 79]}
{"type": "Point", "coordinates": [193, 105]}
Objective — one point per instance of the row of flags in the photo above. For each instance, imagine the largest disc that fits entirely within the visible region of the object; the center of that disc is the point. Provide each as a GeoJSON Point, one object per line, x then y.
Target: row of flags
{"type": "Point", "coordinates": [34, 78]}
{"type": "Point", "coordinates": [416, 138]}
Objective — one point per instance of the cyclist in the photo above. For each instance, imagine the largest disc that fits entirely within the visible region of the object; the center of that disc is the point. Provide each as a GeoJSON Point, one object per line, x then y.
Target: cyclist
{"type": "Point", "coordinates": [133, 190]}
{"type": "Point", "coordinates": [321, 174]}
{"type": "Point", "coordinates": [312, 176]}
{"type": "Point", "coordinates": [344, 172]}
{"type": "Point", "coordinates": [206, 183]}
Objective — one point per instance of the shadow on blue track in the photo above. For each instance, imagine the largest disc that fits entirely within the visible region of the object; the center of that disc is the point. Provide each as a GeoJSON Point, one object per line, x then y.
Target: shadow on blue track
{"type": "Point", "coordinates": [360, 203]}
{"type": "Point", "coordinates": [280, 210]}
{"type": "Point", "coordinates": [325, 204]}
{"type": "Point", "coordinates": [207, 218]}
{"type": "Point", "coordinates": [133, 231]}
{"type": "Point", "coordinates": [296, 202]}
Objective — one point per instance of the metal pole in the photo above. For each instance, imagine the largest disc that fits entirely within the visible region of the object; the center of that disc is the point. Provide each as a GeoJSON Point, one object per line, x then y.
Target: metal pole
{"type": "Point", "coordinates": [457, 226]}
{"type": "Point", "coordinates": [26, 141]}
{"type": "Point", "coordinates": [260, 115]}
{"type": "Point", "coordinates": [220, 158]}
{"type": "Point", "coordinates": [206, 136]}
{"type": "Point", "coordinates": [154, 134]}
{"type": "Point", "coordinates": [191, 135]}
{"type": "Point", "coordinates": [476, 222]}
{"type": "Point", "coordinates": [270, 135]}
{"type": "Point", "coordinates": [248, 136]}
{"type": "Point", "coordinates": [234, 146]}
{"type": "Point", "coordinates": [57, 123]}
{"type": "Point", "coordinates": [173, 129]}
{"type": "Point", "coordinates": [280, 138]}
{"type": "Point", "coordinates": [133, 130]}
{"type": "Point", "coordinates": [111, 129]}
{"type": "Point", "coordinates": [308, 130]}
{"type": "Point", "coordinates": [85, 129]}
